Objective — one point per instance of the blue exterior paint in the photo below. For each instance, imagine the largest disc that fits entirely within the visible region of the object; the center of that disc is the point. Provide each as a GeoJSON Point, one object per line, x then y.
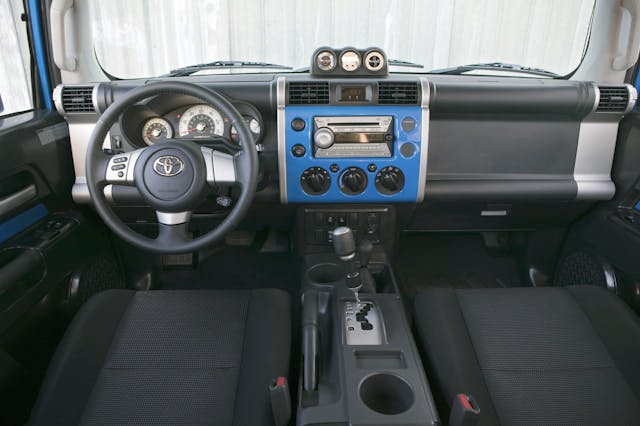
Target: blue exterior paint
{"type": "Point", "coordinates": [295, 166]}
{"type": "Point", "coordinates": [22, 221]}
{"type": "Point", "coordinates": [39, 52]}
{"type": "Point", "coordinates": [636, 83]}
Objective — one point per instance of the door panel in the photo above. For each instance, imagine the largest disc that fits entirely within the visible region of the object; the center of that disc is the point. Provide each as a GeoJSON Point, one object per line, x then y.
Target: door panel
{"type": "Point", "coordinates": [45, 240]}
{"type": "Point", "coordinates": [609, 235]}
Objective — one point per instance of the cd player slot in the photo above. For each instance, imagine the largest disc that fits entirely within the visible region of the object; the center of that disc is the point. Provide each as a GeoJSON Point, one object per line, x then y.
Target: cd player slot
{"type": "Point", "coordinates": [361, 124]}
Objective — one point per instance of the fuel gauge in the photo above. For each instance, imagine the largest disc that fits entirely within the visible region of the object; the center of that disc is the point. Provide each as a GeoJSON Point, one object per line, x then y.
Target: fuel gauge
{"type": "Point", "coordinates": [156, 130]}
{"type": "Point", "coordinates": [254, 127]}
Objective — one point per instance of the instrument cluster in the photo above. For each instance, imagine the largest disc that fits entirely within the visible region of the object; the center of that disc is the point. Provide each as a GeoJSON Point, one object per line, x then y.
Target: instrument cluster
{"type": "Point", "coordinates": [150, 124]}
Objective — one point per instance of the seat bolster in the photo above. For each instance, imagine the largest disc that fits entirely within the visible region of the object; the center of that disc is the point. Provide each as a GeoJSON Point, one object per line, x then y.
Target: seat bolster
{"type": "Point", "coordinates": [79, 359]}
{"type": "Point", "coordinates": [449, 355]}
{"type": "Point", "coordinates": [265, 356]}
{"type": "Point", "coordinates": [617, 326]}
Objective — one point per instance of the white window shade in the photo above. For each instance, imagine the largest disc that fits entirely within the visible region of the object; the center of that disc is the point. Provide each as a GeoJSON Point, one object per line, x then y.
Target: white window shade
{"type": "Point", "coordinates": [148, 38]}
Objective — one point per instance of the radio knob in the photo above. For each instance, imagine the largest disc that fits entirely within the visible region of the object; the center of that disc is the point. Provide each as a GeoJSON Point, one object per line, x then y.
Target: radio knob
{"type": "Point", "coordinates": [323, 138]}
{"type": "Point", "coordinates": [389, 180]}
{"type": "Point", "coordinates": [353, 181]}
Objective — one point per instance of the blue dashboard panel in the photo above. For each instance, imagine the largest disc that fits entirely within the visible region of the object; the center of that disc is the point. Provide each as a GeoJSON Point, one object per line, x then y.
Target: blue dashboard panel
{"type": "Point", "coordinates": [295, 166]}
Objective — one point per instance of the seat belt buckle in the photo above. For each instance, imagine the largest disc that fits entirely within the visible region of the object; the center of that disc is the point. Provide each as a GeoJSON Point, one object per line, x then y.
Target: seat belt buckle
{"type": "Point", "coordinates": [280, 401]}
{"type": "Point", "coordinates": [464, 411]}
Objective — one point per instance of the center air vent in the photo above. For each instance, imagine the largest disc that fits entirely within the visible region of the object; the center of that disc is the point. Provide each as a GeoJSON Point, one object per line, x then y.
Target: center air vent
{"type": "Point", "coordinates": [613, 99]}
{"type": "Point", "coordinates": [308, 93]}
{"type": "Point", "coordinates": [397, 93]}
{"type": "Point", "coordinates": [77, 99]}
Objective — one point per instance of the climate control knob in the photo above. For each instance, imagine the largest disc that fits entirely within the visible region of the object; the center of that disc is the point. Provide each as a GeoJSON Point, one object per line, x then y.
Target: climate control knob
{"type": "Point", "coordinates": [353, 181]}
{"type": "Point", "coordinates": [315, 181]}
{"type": "Point", "coordinates": [389, 180]}
{"type": "Point", "coordinates": [323, 138]}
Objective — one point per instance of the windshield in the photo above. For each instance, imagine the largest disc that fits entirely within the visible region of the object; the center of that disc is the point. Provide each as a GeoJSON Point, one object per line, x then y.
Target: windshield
{"type": "Point", "coordinates": [152, 37]}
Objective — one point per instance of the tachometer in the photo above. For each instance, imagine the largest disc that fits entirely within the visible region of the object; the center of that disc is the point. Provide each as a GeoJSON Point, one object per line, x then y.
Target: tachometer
{"type": "Point", "coordinates": [156, 129]}
{"type": "Point", "coordinates": [201, 121]}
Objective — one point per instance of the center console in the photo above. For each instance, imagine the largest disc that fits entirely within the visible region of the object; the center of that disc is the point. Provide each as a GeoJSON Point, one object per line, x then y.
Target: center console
{"type": "Point", "coordinates": [360, 365]}
{"type": "Point", "coordinates": [351, 142]}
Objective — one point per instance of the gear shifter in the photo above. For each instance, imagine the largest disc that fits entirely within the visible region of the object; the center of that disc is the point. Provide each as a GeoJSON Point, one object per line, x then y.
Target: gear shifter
{"type": "Point", "coordinates": [344, 245]}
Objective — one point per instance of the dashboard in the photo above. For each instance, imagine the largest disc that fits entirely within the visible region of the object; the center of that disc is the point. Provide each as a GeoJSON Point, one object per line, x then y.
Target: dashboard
{"type": "Point", "coordinates": [474, 146]}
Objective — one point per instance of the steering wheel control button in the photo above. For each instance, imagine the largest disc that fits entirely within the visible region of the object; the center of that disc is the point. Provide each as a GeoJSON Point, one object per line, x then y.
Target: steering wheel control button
{"type": "Point", "coordinates": [315, 181]}
{"type": "Point", "coordinates": [298, 150]}
{"type": "Point", "coordinates": [334, 168]}
{"type": "Point", "coordinates": [118, 166]}
{"type": "Point", "coordinates": [407, 150]}
{"type": "Point", "coordinates": [117, 160]}
{"type": "Point", "coordinates": [372, 167]}
{"type": "Point", "coordinates": [408, 124]}
{"type": "Point", "coordinates": [298, 124]}
{"type": "Point", "coordinates": [120, 174]}
{"type": "Point", "coordinates": [389, 180]}
{"type": "Point", "coordinates": [353, 181]}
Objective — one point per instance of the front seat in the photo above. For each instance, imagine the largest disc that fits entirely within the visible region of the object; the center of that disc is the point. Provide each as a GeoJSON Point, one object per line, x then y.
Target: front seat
{"type": "Point", "coordinates": [169, 358]}
{"type": "Point", "coordinates": [533, 356]}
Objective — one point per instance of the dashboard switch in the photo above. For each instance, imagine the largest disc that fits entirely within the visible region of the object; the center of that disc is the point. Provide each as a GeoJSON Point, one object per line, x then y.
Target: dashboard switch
{"type": "Point", "coordinates": [298, 124]}
{"type": "Point", "coordinates": [298, 150]}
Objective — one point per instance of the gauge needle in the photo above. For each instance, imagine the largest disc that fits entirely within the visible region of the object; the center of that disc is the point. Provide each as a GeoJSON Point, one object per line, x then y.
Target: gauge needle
{"type": "Point", "coordinates": [200, 128]}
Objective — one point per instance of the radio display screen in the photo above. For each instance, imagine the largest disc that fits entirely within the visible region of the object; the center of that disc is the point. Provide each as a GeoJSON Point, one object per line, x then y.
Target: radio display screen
{"type": "Point", "coordinates": [359, 137]}
{"type": "Point", "coordinates": [353, 94]}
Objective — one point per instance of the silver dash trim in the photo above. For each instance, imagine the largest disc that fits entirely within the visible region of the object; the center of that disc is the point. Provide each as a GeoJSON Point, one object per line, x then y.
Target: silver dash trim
{"type": "Point", "coordinates": [424, 138]}
{"type": "Point", "coordinates": [282, 153]}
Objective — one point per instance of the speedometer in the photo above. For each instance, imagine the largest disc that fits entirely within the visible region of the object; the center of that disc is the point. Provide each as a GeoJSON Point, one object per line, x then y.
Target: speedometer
{"type": "Point", "coordinates": [201, 121]}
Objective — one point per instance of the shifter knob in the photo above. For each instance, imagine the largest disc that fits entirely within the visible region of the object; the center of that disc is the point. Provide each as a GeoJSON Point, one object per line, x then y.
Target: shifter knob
{"type": "Point", "coordinates": [344, 243]}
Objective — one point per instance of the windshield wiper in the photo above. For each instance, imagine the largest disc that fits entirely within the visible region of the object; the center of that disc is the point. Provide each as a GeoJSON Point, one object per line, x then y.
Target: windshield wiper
{"type": "Point", "coordinates": [190, 69]}
{"type": "Point", "coordinates": [401, 63]}
{"type": "Point", "coordinates": [495, 66]}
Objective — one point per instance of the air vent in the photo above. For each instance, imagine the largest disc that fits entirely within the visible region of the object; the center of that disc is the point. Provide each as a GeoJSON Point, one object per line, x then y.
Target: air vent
{"type": "Point", "coordinates": [308, 93]}
{"type": "Point", "coordinates": [77, 99]}
{"type": "Point", "coordinates": [397, 93]}
{"type": "Point", "coordinates": [613, 99]}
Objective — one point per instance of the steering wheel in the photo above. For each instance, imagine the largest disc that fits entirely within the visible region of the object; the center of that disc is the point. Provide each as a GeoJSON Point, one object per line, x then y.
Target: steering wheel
{"type": "Point", "coordinates": [173, 176]}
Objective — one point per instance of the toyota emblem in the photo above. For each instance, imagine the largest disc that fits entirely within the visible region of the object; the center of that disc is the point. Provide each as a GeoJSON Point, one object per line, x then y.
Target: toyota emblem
{"type": "Point", "coordinates": [168, 165]}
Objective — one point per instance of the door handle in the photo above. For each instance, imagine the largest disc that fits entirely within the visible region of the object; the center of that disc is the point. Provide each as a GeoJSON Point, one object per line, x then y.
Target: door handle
{"type": "Point", "coordinates": [15, 200]}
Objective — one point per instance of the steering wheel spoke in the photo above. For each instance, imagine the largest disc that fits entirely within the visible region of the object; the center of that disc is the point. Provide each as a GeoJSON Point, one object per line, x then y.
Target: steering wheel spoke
{"type": "Point", "coordinates": [221, 167]}
{"type": "Point", "coordinates": [120, 167]}
{"type": "Point", "coordinates": [173, 228]}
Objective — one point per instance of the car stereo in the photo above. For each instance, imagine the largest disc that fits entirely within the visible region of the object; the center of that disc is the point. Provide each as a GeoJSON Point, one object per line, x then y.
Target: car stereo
{"type": "Point", "coordinates": [353, 136]}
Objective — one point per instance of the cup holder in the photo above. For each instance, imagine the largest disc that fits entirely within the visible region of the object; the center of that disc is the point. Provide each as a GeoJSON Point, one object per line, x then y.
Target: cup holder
{"type": "Point", "coordinates": [386, 393]}
{"type": "Point", "coordinates": [325, 273]}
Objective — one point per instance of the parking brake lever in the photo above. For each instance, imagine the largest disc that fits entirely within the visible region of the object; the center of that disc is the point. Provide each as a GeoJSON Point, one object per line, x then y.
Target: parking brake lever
{"type": "Point", "coordinates": [344, 245]}
{"type": "Point", "coordinates": [310, 340]}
